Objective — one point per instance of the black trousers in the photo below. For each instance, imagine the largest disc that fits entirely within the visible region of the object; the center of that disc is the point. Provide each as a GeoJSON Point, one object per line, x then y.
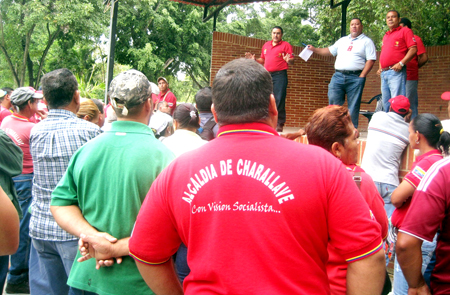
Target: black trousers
{"type": "Point", "coordinates": [280, 82]}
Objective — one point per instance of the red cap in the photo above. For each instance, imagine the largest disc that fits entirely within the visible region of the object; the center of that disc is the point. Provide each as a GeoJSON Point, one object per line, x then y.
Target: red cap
{"type": "Point", "coordinates": [446, 95]}
{"type": "Point", "coordinates": [400, 104]}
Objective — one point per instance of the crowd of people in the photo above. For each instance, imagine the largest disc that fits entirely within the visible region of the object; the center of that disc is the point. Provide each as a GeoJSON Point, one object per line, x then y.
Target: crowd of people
{"type": "Point", "coordinates": [148, 196]}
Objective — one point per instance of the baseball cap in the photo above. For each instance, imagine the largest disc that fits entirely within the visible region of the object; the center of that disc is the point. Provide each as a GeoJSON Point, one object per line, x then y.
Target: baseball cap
{"type": "Point", "coordinates": [400, 104]}
{"type": "Point", "coordinates": [162, 78]}
{"type": "Point", "coordinates": [159, 122]}
{"type": "Point", "coordinates": [155, 88]}
{"type": "Point", "coordinates": [2, 93]}
{"type": "Point", "coordinates": [128, 89]}
{"type": "Point", "coordinates": [446, 95]}
{"type": "Point", "coordinates": [23, 94]}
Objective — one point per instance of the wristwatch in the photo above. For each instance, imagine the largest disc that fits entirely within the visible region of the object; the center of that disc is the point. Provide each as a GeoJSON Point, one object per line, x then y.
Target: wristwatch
{"type": "Point", "coordinates": [401, 64]}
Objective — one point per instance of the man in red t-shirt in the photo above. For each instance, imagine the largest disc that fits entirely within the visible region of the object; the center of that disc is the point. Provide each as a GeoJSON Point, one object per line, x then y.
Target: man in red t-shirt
{"type": "Point", "coordinates": [165, 95]}
{"type": "Point", "coordinates": [18, 127]}
{"type": "Point", "coordinates": [276, 56]}
{"type": "Point", "coordinates": [255, 221]}
{"type": "Point", "coordinates": [429, 212]}
{"type": "Point", "coordinates": [5, 103]}
{"type": "Point", "coordinates": [398, 48]}
{"type": "Point", "coordinates": [412, 70]}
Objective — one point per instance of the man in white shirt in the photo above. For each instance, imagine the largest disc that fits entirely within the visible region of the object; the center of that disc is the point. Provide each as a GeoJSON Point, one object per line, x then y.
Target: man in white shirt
{"type": "Point", "coordinates": [356, 55]}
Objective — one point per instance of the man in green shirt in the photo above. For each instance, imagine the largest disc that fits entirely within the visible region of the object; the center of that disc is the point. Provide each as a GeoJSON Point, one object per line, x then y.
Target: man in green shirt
{"type": "Point", "coordinates": [105, 184]}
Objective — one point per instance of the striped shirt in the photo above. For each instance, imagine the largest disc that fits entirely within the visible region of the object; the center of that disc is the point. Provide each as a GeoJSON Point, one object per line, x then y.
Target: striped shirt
{"type": "Point", "coordinates": [52, 143]}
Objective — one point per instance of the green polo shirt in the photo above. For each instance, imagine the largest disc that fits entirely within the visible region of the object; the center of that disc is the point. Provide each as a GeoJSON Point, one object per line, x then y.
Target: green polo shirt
{"type": "Point", "coordinates": [108, 178]}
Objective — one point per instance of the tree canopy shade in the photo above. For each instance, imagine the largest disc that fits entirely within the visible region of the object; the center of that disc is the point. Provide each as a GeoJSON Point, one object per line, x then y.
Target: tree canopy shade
{"type": "Point", "coordinates": [28, 29]}
{"type": "Point", "coordinates": [430, 19]}
{"type": "Point", "coordinates": [161, 37]}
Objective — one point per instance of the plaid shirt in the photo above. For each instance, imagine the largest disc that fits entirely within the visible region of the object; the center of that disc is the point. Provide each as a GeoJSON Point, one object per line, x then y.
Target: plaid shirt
{"type": "Point", "coordinates": [52, 143]}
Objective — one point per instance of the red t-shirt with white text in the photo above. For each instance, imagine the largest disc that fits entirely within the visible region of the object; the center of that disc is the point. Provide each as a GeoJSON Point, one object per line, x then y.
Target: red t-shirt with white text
{"type": "Point", "coordinates": [254, 221]}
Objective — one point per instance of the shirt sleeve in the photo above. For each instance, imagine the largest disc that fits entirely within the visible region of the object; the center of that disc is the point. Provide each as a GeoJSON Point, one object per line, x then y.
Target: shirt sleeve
{"type": "Point", "coordinates": [371, 51]}
{"type": "Point", "coordinates": [409, 37]}
{"type": "Point", "coordinates": [289, 50]}
{"type": "Point", "coordinates": [352, 230]}
{"type": "Point", "coordinates": [334, 48]}
{"type": "Point", "coordinates": [429, 205]}
{"type": "Point", "coordinates": [420, 47]}
{"type": "Point", "coordinates": [65, 193]}
{"type": "Point", "coordinates": [154, 239]}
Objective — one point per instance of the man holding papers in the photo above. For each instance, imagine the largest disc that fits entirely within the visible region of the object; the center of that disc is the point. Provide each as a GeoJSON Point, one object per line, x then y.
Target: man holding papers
{"type": "Point", "coordinates": [276, 56]}
{"type": "Point", "coordinates": [356, 55]}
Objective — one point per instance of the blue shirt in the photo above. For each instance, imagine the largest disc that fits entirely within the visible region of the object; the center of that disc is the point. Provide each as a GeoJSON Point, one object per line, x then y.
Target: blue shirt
{"type": "Point", "coordinates": [52, 143]}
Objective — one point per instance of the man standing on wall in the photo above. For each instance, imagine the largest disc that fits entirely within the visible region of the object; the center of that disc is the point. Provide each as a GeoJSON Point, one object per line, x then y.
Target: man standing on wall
{"type": "Point", "coordinates": [398, 48]}
{"type": "Point", "coordinates": [412, 71]}
{"type": "Point", "coordinates": [166, 95]}
{"type": "Point", "coordinates": [276, 56]}
{"type": "Point", "coordinates": [356, 55]}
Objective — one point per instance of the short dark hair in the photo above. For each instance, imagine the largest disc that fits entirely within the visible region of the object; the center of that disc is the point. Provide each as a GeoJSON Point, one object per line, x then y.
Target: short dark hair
{"type": "Point", "coordinates": [59, 87]}
{"type": "Point", "coordinates": [99, 104]}
{"type": "Point", "coordinates": [187, 116]}
{"type": "Point", "coordinates": [241, 92]}
{"type": "Point", "coordinates": [392, 10]}
{"type": "Point", "coordinates": [24, 105]}
{"type": "Point", "coordinates": [203, 99]}
{"type": "Point", "coordinates": [431, 128]}
{"type": "Point", "coordinates": [280, 28]}
{"type": "Point", "coordinates": [357, 19]}
{"type": "Point", "coordinates": [8, 91]}
{"type": "Point", "coordinates": [406, 22]}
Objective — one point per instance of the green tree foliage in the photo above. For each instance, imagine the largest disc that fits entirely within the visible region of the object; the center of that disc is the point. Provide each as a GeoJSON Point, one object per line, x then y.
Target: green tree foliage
{"type": "Point", "coordinates": [161, 38]}
{"type": "Point", "coordinates": [430, 19]}
{"type": "Point", "coordinates": [257, 21]}
{"type": "Point", "coordinates": [29, 29]}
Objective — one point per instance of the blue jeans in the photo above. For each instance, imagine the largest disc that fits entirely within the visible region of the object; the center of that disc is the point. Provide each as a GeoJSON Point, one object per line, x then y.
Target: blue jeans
{"type": "Point", "coordinates": [280, 83]}
{"type": "Point", "coordinates": [18, 271]}
{"type": "Point", "coordinates": [392, 84]}
{"type": "Point", "coordinates": [411, 94]}
{"type": "Point", "coordinates": [4, 261]}
{"type": "Point", "coordinates": [50, 264]}
{"type": "Point", "coordinates": [385, 191]}
{"type": "Point", "coordinates": [352, 85]}
{"type": "Point", "coordinates": [400, 283]}
{"type": "Point", "coordinates": [181, 265]}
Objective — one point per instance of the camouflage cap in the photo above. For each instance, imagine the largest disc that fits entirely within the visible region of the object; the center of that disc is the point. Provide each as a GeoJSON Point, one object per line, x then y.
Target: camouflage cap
{"type": "Point", "coordinates": [23, 94]}
{"type": "Point", "coordinates": [130, 88]}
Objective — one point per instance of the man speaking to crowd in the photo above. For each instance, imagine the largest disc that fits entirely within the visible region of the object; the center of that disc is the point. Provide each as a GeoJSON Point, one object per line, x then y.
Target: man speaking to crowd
{"type": "Point", "coordinates": [276, 56]}
{"type": "Point", "coordinates": [356, 55]}
{"type": "Point", "coordinates": [253, 221]}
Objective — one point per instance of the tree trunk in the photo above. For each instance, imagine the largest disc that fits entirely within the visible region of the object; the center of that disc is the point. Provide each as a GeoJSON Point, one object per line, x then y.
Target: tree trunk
{"type": "Point", "coordinates": [5, 52]}
{"type": "Point", "coordinates": [51, 39]}
{"type": "Point", "coordinates": [23, 68]}
{"type": "Point", "coordinates": [30, 71]}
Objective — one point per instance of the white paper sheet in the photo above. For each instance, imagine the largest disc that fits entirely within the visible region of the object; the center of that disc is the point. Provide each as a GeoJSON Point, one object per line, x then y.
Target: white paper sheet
{"type": "Point", "coordinates": [305, 54]}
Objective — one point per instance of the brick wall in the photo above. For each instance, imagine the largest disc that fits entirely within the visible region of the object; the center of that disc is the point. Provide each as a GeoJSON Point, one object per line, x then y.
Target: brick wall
{"type": "Point", "coordinates": [308, 81]}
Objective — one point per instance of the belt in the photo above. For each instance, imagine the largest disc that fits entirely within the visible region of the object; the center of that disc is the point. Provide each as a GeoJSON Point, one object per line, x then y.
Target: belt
{"type": "Point", "coordinates": [386, 69]}
{"type": "Point", "coordinates": [349, 72]}
{"type": "Point", "coordinates": [277, 72]}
